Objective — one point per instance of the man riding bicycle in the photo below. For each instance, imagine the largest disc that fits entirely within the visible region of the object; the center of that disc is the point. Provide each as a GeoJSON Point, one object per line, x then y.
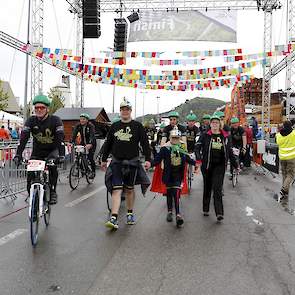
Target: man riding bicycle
{"type": "Point", "coordinates": [87, 135]}
{"type": "Point", "coordinates": [173, 117]}
{"type": "Point", "coordinates": [48, 135]}
{"type": "Point", "coordinates": [122, 143]}
{"type": "Point", "coordinates": [192, 131]}
{"type": "Point", "coordinates": [239, 139]}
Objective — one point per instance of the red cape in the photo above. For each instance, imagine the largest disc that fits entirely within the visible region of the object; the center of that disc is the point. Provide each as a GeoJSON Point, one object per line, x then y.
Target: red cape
{"type": "Point", "coordinates": [159, 187]}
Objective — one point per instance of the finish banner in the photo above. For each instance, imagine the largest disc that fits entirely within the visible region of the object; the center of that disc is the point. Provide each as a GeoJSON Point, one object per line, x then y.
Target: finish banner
{"type": "Point", "coordinates": [214, 26]}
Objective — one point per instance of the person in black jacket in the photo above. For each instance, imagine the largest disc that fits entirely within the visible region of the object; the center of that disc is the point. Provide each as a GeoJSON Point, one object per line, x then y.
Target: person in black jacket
{"type": "Point", "coordinates": [87, 135]}
{"type": "Point", "coordinates": [48, 135]}
{"type": "Point", "coordinates": [213, 150]}
{"type": "Point", "coordinates": [122, 143]}
{"type": "Point", "coordinates": [174, 158]}
{"type": "Point", "coordinates": [205, 124]}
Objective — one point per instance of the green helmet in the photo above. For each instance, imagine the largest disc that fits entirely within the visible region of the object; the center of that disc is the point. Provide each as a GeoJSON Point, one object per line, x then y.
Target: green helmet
{"type": "Point", "coordinates": [85, 115]}
{"type": "Point", "coordinates": [173, 114]}
{"type": "Point", "coordinates": [191, 117]}
{"type": "Point", "coordinates": [234, 120]}
{"type": "Point", "coordinates": [116, 119]}
{"type": "Point", "coordinates": [162, 125]}
{"type": "Point", "coordinates": [219, 114]}
{"type": "Point", "coordinates": [206, 117]}
{"type": "Point", "coordinates": [214, 117]}
{"type": "Point", "coordinates": [41, 99]}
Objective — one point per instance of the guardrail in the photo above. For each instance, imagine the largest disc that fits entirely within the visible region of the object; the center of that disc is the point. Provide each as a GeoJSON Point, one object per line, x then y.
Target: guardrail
{"type": "Point", "coordinates": [13, 180]}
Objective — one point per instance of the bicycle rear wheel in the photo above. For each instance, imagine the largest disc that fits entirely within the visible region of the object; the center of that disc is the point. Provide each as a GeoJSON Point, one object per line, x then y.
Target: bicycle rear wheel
{"type": "Point", "coordinates": [88, 175]}
{"type": "Point", "coordinates": [74, 177]}
{"type": "Point", "coordinates": [34, 220]}
{"type": "Point", "coordinates": [46, 206]}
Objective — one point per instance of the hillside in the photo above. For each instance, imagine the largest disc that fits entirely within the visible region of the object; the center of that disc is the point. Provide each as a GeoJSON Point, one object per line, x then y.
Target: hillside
{"type": "Point", "coordinates": [199, 106]}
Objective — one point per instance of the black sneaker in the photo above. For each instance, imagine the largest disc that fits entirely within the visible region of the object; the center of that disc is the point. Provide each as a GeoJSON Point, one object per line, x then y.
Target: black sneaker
{"type": "Point", "coordinates": [53, 198]}
{"type": "Point", "coordinates": [169, 217]}
{"type": "Point", "coordinates": [179, 220]}
{"type": "Point", "coordinates": [219, 218]}
{"type": "Point", "coordinates": [281, 196]}
{"type": "Point", "coordinates": [206, 214]}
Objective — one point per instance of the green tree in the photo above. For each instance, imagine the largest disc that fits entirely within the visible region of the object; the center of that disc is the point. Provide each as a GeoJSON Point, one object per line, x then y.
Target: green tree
{"type": "Point", "coordinates": [3, 98]}
{"type": "Point", "coordinates": [57, 100]}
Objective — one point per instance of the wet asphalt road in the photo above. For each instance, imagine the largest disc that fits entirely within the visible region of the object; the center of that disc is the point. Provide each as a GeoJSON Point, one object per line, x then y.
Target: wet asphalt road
{"type": "Point", "coordinates": [251, 252]}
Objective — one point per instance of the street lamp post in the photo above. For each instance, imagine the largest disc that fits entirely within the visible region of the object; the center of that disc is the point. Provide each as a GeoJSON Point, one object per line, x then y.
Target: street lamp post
{"type": "Point", "coordinates": [135, 104]}
{"type": "Point", "coordinates": [26, 107]}
{"type": "Point", "coordinates": [158, 114]}
{"type": "Point", "coordinates": [143, 97]}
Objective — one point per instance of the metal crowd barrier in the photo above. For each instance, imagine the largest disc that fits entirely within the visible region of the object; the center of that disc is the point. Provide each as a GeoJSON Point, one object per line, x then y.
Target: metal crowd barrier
{"type": "Point", "coordinates": [13, 180]}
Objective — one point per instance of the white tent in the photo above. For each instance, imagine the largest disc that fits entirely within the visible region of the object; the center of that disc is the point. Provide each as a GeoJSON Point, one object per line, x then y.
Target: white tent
{"type": "Point", "coordinates": [12, 119]}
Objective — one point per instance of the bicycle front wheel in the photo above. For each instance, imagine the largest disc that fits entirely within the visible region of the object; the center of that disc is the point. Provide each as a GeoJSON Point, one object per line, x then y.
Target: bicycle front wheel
{"type": "Point", "coordinates": [46, 206]}
{"type": "Point", "coordinates": [74, 177]}
{"type": "Point", "coordinates": [34, 220]}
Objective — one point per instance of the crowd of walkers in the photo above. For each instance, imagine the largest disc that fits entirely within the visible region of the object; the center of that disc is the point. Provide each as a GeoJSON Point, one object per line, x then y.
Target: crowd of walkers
{"type": "Point", "coordinates": [207, 146]}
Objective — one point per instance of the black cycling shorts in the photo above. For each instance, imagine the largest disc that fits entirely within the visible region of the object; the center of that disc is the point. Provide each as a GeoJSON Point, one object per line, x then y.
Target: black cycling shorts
{"type": "Point", "coordinates": [123, 176]}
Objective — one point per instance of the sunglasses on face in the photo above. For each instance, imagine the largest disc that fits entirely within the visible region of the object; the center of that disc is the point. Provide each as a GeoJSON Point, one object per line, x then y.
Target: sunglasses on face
{"type": "Point", "coordinates": [40, 108]}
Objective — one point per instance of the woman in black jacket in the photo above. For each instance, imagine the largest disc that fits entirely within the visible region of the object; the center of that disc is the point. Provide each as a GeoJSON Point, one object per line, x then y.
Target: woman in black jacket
{"type": "Point", "coordinates": [213, 150]}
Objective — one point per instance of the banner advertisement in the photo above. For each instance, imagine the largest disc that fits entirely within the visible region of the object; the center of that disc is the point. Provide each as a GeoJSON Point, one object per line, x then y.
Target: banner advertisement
{"type": "Point", "coordinates": [270, 159]}
{"type": "Point", "coordinates": [214, 26]}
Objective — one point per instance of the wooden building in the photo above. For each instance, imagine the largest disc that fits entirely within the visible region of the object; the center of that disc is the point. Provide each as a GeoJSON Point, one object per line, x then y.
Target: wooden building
{"type": "Point", "coordinates": [71, 116]}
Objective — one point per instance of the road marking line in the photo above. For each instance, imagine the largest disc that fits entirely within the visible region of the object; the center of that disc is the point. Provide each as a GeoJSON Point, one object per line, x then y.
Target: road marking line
{"type": "Point", "coordinates": [83, 198]}
{"type": "Point", "coordinates": [12, 236]}
{"type": "Point", "coordinates": [249, 211]}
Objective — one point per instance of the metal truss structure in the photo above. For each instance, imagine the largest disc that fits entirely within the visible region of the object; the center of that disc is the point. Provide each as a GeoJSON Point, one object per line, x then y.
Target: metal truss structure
{"type": "Point", "coordinates": [19, 45]}
{"type": "Point", "coordinates": [76, 8]}
{"type": "Point", "coordinates": [290, 73]}
{"type": "Point", "coordinates": [37, 40]}
{"type": "Point", "coordinates": [120, 6]}
{"type": "Point", "coordinates": [266, 84]}
{"type": "Point", "coordinates": [177, 5]}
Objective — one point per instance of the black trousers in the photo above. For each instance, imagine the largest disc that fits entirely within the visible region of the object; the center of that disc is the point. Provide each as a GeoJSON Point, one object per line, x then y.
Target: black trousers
{"type": "Point", "coordinates": [53, 173]}
{"type": "Point", "coordinates": [247, 157]}
{"type": "Point", "coordinates": [173, 195]}
{"type": "Point", "coordinates": [213, 181]}
{"type": "Point", "coordinates": [90, 158]}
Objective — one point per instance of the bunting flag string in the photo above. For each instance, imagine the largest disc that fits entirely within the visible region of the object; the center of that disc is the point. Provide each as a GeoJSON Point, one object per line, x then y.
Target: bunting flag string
{"type": "Point", "coordinates": [176, 80]}
{"type": "Point", "coordinates": [199, 85]}
{"type": "Point", "coordinates": [145, 75]}
{"type": "Point", "coordinates": [118, 58]}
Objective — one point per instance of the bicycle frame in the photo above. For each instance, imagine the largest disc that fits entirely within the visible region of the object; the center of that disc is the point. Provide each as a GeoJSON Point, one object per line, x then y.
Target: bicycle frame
{"type": "Point", "coordinates": [40, 179]}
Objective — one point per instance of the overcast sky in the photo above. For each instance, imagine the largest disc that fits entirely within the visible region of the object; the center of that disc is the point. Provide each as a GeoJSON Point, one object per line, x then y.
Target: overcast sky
{"type": "Point", "coordinates": [59, 32]}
